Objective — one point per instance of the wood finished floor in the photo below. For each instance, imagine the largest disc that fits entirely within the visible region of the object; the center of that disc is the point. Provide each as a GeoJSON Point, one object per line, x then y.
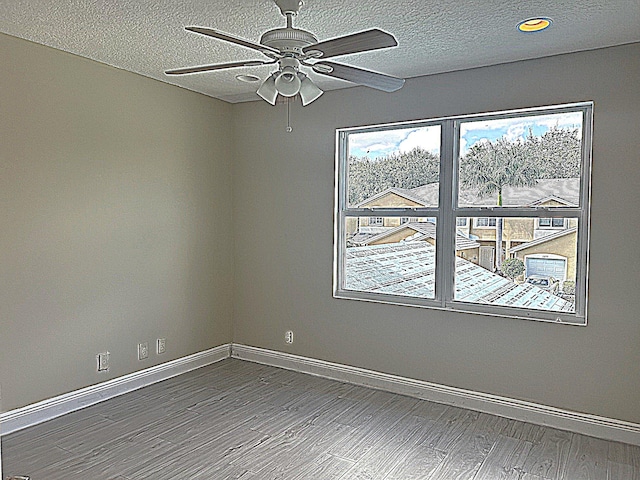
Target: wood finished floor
{"type": "Point", "coordinates": [239, 420]}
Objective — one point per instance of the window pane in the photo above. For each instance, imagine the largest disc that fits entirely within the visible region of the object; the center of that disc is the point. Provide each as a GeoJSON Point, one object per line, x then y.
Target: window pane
{"type": "Point", "coordinates": [537, 268]}
{"type": "Point", "coordinates": [521, 161]}
{"type": "Point", "coordinates": [396, 258]}
{"type": "Point", "coordinates": [398, 167]}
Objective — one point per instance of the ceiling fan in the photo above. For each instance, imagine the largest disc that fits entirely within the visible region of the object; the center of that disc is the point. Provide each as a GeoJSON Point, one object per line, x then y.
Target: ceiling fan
{"type": "Point", "coordinates": [290, 48]}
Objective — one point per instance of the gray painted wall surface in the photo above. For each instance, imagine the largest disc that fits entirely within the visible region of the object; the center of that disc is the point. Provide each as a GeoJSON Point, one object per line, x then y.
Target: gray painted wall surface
{"type": "Point", "coordinates": [115, 214]}
{"type": "Point", "coordinates": [283, 206]}
{"type": "Point", "coordinates": [118, 226]}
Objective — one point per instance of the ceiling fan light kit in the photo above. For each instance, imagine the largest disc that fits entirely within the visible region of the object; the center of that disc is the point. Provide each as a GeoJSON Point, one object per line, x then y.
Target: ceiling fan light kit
{"type": "Point", "coordinates": [268, 91]}
{"type": "Point", "coordinates": [309, 91]}
{"type": "Point", "coordinates": [287, 81]}
{"type": "Point", "coordinates": [290, 48]}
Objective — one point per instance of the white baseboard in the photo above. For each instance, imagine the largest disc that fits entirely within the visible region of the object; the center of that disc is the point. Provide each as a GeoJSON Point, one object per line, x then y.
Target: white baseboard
{"type": "Point", "coordinates": [592, 425]}
{"type": "Point", "coordinates": [33, 414]}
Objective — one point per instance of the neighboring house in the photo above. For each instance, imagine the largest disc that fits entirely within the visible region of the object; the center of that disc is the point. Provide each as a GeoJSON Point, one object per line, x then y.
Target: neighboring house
{"type": "Point", "coordinates": [408, 269]}
{"type": "Point", "coordinates": [425, 231]}
{"type": "Point", "coordinates": [482, 230]}
{"type": "Point", "coordinates": [552, 255]}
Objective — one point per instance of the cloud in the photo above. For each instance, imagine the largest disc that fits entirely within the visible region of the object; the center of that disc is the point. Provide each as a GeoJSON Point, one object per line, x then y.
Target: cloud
{"type": "Point", "coordinates": [516, 132]}
{"type": "Point", "coordinates": [515, 129]}
{"type": "Point", "coordinates": [384, 142]}
{"type": "Point", "coordinates": [379, 142]}
{"type": "Point", "coordinates": [522, 124]}
{"type": "Point", "coordinates": [427, 138]}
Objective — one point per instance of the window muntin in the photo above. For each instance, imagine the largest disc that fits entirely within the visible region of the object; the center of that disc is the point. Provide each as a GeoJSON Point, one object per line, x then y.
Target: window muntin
{"type": "Point", "coordinates": [560, 197]}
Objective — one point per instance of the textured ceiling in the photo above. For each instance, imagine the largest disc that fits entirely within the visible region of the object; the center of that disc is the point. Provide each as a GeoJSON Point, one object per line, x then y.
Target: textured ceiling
{"type": "Point", "coordinates": [147, 36]}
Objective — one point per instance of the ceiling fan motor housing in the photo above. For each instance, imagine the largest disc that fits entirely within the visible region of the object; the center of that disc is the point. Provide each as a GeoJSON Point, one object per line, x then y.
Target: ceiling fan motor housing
{"type": "Point", "coordinates": [288, 40]}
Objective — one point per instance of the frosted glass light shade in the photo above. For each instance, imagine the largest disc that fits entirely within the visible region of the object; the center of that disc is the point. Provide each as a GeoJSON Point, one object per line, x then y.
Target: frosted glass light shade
{"type": "Point", "coordinates": [309, 91]}
{"type": "Point", "coordinates": [267, 90]}
{"type": "Point", "coordinates": [288, 83]}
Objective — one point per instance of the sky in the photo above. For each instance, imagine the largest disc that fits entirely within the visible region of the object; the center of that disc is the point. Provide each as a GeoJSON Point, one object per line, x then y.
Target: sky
{"type": "Point", "coordinates": [401, 140]}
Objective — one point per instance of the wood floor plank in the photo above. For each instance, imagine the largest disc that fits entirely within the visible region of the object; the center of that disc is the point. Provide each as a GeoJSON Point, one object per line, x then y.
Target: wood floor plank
{"type": "Point", "coordinates": [587, 458]}
{"type": "Point", "coordinates": [389, 451]}
{"type": "Point", "coordinates": [452, 426]}
{"type": "Point", "coordinates": [548, 458]}
{"type": "Point", "coordinates": [524, 431]}
{"type": "Point", "coordinates": [505, 461]}
{"type": "Point", "coordinates": [420, 463]}
{"type": "Point", "coordinates": [239, 420]}
{"type": "Point", "coordinates": [328, 467]}
{"type": "Point", "coordinates": [429, 410]}
{"type": "Point", "coordinates": [492, 424]}
{"type": "Point", "coordinates": [621, 471]}
{"type": "Point", "coordinates": [465, 457]}
{"type": "Point", "coordinates": [624, 453]}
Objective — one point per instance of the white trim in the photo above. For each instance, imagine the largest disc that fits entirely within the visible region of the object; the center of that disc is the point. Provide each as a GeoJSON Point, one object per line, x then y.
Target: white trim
{"type": "Point", "coordinates": [592, 425]}
{"type": "Point", "coordinates": [33, 414]}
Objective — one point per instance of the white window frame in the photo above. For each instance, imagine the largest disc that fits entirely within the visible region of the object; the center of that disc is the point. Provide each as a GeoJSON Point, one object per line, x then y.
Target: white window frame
{"type": "Point", "coordinates": [447, 211]}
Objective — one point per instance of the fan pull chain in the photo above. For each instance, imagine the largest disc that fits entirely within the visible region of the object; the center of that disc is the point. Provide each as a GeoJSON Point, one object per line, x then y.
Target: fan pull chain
{"type": "Point", "coordinates": [289, 129]}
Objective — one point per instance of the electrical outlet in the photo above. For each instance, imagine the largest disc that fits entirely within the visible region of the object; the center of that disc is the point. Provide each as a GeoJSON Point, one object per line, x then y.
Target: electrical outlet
{"type": "Point", "coordinates": [161, 346]}
{"type": "Point", "coordinates": [143, 350]}
{"type": "Point", "coordinates": [288, 336]}
{"type": "Point", "coordinates": [103, 361]}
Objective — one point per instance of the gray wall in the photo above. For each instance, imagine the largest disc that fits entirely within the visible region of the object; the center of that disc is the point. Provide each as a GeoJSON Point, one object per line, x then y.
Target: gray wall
{"type": "Point", "coordinates": [283, 207]}
{"type": "Point", "coordinates": [132, 210]}
{"type": "Point", "coordinates": [115, 221]}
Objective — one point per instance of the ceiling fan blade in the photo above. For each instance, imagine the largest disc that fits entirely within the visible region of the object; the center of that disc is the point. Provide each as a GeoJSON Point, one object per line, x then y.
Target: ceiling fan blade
{"type": "Point", "coordinates": [210, 32]}
{"type": "Point", "coordinates": [376, 80]}
{"type": "Point", "coordinates": [219, 66]}
{"type": "Point", "coordinates": [357, 42]}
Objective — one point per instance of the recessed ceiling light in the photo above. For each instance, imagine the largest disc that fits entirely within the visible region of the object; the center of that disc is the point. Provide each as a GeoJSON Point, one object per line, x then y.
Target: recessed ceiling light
{"type": "Point", "coordinates": [534, 24]}
{"type": "Point", "coordinates": [248, 78]}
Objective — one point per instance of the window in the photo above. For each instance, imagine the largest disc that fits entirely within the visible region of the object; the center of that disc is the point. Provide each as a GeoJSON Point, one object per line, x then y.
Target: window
{"type": "Point", "coordinates": [551, 223]}
{"type": "Point", "coordinates": [518, 182]}
{"type": "Point", "coordinates": [485, 222]}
